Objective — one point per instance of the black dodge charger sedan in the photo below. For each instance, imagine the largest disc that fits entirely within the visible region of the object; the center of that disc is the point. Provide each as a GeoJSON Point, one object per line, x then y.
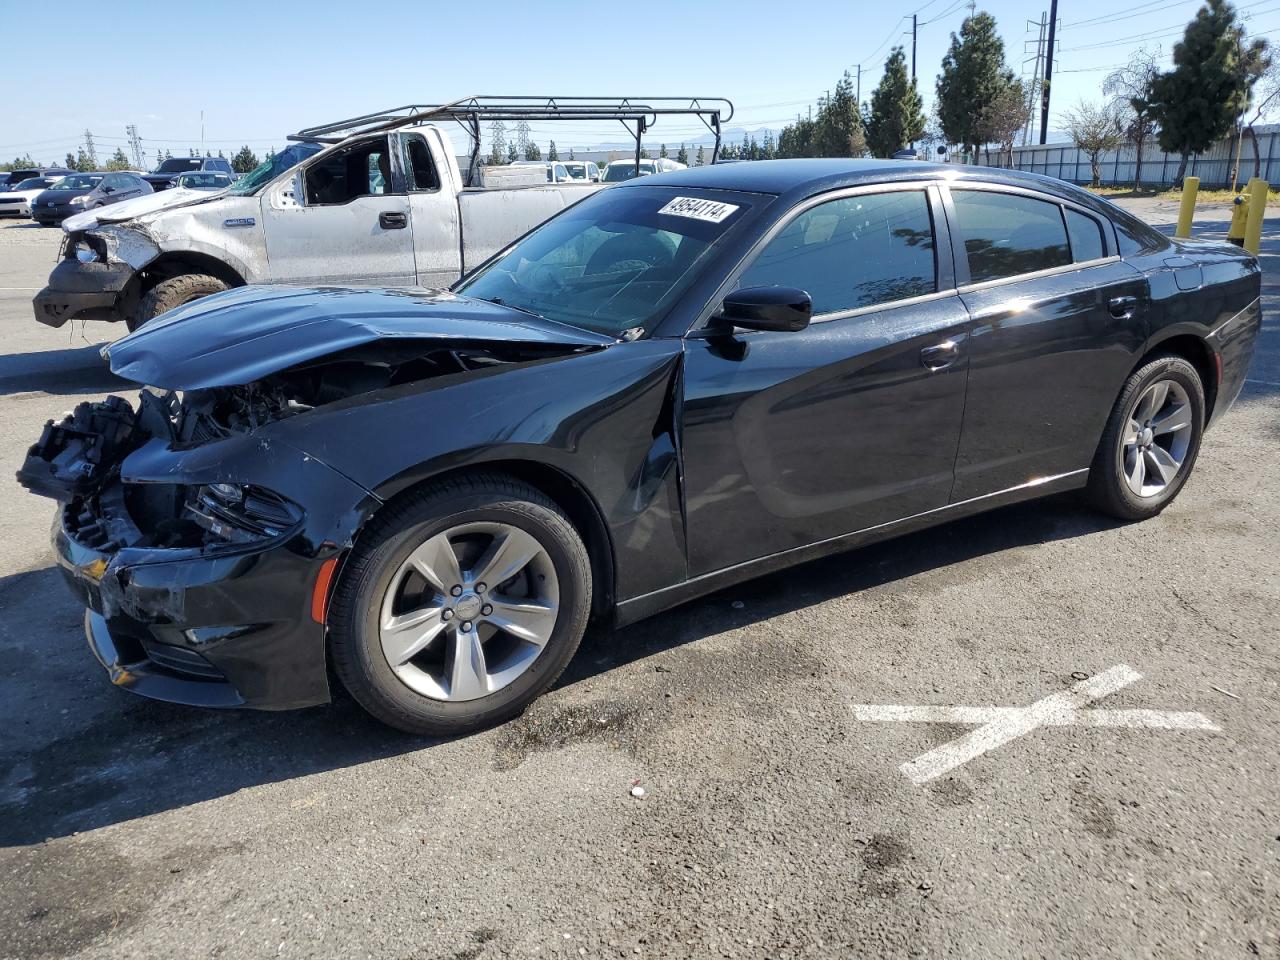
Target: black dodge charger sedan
{"type": "Point", "coordinates": [678, 383]}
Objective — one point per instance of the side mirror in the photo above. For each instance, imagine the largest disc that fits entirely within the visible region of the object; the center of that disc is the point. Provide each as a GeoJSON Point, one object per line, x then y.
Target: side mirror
{"type": "Point", "coordinates": [786, 309]}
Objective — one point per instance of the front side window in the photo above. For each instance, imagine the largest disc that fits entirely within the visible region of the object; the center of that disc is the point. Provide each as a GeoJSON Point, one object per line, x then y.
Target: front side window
{"type": "Point", "coordinates": [1007, 234]}
{"type": "Point", "coordinates": [612, 263]}
{"type": "Point", "coordinates": [853, 252]}
{"type": "Point", "coordinates": [361, 170]}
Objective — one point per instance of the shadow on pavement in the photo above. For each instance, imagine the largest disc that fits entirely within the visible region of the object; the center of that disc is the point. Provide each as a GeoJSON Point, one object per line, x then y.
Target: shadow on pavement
{"type": "Point", "coordinates": [139, 757]}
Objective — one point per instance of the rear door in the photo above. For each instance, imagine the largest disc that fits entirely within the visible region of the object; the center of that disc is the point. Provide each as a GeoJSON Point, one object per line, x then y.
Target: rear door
{"type": "Point", "coordinates": [1057, 321]}
{"type": "Point", "coordinates": [352, 225]}
{"type": "Point", "coordinates": [794, 438]}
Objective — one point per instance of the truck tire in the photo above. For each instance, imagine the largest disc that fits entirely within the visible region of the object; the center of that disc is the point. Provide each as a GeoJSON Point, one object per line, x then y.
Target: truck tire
{"type": "Point", "coordinates": [171, 293]}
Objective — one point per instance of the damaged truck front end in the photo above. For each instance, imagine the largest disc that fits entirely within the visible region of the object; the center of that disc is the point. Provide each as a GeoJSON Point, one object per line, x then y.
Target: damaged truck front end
{"type": "Point", "coordinates": [99, 276]}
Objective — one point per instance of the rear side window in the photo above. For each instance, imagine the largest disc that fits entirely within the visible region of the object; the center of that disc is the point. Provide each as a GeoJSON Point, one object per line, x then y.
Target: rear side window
{"type": "Point", "coordinates": [853, 252]}
{"type": "Point", "coordinates": [1086, 236]}
{"type": "Point", "coordinates": [1006, 234]}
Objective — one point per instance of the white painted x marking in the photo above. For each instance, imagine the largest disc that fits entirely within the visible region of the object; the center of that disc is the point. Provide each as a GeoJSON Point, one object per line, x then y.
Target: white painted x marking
{"type": "Point", "coordinates": [999, 725]}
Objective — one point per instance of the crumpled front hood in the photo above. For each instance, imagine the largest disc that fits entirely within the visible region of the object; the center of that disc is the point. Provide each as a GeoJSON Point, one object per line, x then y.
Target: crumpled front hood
{"type": "Point", "coordinates": [137, 207]}
{"type": "Point", "coordinates": [243, 335]}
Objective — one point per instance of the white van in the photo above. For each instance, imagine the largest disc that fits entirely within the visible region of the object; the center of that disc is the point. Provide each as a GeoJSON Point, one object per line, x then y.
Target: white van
{"type": "Point", "coordinates": [620, 170]}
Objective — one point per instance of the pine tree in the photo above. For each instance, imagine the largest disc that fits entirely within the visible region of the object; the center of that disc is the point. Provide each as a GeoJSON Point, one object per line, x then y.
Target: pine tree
{"type": "Point", "coordinates": [118, 160]}
{"type": "Point", "coordinates": [244, 160]}
{"type": "Point", "coordinates": [83, 163]}
{"type": "Point", "coordinates": [551, 151]}
{"type": "Point", "coordinates": [571, 156]}
{"type": "Point", "coordinates": [837, 130]}
{"type": "Point", "coordinates": [512, 153]}
{"type": "Point", "coordinates": [769, 149]}
{"type": "Point", "coordinates": [973, 81]}
{"type": "Point", "coordinates": [662, 151]}
{"type": "Point", "coordinates": [1199, 101]}
{"type": "Point", "coordinates": [71, 160]}
{"type": "Point", "coordinates": [683, 155]}
{"type": "Point", "coordinates": [897, 116]}
{"type": "Point", "coordinates": [702, 157]}
{"type": "Point", "coordinates": [531, 151]}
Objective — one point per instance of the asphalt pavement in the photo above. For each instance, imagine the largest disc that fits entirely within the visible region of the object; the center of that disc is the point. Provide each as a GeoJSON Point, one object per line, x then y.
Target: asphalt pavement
{"type": "Point", "coordinates": [808, 789]}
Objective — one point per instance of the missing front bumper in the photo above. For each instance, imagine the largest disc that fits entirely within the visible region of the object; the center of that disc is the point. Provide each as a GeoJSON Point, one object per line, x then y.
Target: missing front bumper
{"type": "Point", "coordinates": [87, 291]}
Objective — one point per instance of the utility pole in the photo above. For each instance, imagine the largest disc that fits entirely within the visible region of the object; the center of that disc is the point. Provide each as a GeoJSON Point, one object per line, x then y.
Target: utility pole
{"type": "Point", "coordinates": [858, 96]}
{"type": "Point", "coordinates": [1033, 88]}
{"type": "Point", "coordinates": [1048, 72]}
{"type": "Point", "coordinates": [913, 48]}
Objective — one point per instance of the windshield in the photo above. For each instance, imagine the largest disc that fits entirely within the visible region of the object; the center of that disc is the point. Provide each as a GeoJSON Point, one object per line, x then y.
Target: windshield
{"type": "Point", "coordinates": [612, 263]}
{"type": "Point", "coordinates": [577, 171]}
{"type": "Point", "coordinates": [79, 181]}
{"type": "Point", "coordinates": [204, 181]}
{"type": "Point", "coordinates": [267, 171]}
{"type": "Point", "coordinates": [178, 165]}
{"type": "Point", "coordinates": [618, 172]}
{"type": "Point", "coordinates": [36, 183]}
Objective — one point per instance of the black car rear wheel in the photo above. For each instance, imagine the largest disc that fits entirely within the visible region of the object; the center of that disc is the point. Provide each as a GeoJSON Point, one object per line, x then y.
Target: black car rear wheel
{"type": "Point", "coordinates": [460, 605]}
{"type": "Point", "coordinates": [1150, 442]}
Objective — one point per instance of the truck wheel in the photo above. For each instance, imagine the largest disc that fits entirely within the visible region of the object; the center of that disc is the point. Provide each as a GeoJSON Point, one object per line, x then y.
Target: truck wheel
{"type": "Point", "coordinates": [171, 293]}
{"type": "Point", "coordinates": [459, 605]}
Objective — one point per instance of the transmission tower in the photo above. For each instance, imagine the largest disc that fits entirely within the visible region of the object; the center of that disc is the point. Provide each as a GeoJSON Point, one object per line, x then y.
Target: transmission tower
{"type": "Point", "coordinates": [135, 147]}
{"type": "Point", "coordinates": [498, 138]}
{"type": "Point", "coordinates": [522, 138]}
{"type": "Point", "coordinates": [90, 151]}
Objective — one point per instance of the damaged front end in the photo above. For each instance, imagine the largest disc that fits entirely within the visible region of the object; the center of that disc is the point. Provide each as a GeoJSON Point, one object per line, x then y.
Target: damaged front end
{"type": "Point", "coordinates": [185, 537]}
{"type": "Point", "coordinates": [97, 275]}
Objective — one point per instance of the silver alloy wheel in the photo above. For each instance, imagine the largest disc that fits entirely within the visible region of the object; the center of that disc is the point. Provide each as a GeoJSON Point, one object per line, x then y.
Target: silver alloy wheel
{"type": "Point", "coordinates": [469, 611]}
{"type": "Point", "coordinates": [1156, 438]}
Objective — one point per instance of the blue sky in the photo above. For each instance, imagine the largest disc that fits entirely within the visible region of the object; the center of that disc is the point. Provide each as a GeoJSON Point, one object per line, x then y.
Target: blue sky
{"type": "Point", "coordinates": [262, 70]}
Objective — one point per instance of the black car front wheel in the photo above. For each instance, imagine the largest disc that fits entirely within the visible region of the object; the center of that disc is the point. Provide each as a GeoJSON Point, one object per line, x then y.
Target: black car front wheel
{"type": "Point", "coordinates": [1150, 442]}
{"type": "Point", "coordinates": [460, 605]}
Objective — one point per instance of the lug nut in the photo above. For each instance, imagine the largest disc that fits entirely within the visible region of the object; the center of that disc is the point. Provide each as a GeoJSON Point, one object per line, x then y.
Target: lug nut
{"type": "Point", "coordinates": [455, 591]}
{"type": "Point", "coordinates": [447, 615]}
{"type": "Point", "coordinates": [486, 609]}
{"type": "Point", "coordinates": [466, 625]}
{"type": "Point", "coordinates": [480, 588]}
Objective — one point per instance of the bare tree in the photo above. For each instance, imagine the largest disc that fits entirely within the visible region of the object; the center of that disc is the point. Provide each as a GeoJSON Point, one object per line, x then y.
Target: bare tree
{"type": "Point", "coordinates": [1130, 91]}
{"type": "Point", "coordinates": [1094, 129]}
{"type": "Point", "coordinates": [1266, 100]}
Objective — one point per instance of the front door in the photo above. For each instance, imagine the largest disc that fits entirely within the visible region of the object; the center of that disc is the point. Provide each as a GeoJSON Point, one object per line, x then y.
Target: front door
{"type": "Point", "coordinates": [794, 438]}
{"type": "Point", "coordinates": [351, 224]}
{"type": "Point", "coordinates": [1058, 319]}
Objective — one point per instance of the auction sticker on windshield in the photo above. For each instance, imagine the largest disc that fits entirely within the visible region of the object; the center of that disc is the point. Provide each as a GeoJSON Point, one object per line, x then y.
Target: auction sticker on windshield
{"type": "Point", "coordinates": [713, 211]}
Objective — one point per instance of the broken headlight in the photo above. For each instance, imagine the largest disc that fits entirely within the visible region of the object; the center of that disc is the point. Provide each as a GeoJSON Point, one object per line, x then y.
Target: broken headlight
{"type": "Point", "coordinates": [239, 513]}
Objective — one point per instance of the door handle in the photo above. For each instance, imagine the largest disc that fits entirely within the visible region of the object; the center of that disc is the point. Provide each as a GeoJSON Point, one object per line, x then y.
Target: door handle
{"type": "Point", "coordinates": [392, 221]}
{"type": "Point", "coordinates": [940, 355]}
{"type": "Point", "coordinates": [1122, 308]}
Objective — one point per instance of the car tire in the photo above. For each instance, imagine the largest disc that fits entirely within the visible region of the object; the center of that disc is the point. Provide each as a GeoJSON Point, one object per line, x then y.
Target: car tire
{"type": "Point", "coordinates": [171, 293]}
{"type": "Point", "coordinates": [1142, 463]}
{"type": "Point", "coordinates": [409, 695]}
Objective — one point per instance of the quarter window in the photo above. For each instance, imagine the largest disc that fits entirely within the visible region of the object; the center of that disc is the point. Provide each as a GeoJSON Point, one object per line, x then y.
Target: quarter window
{"type": "Point", "coordinates": [1006, 234]}
{"type": "Point", "coordinates": [1086, 236]}
{"type": "Point", "coordinates": [853, 252]}
{"type": "Point", "coordinates": [422, 171]}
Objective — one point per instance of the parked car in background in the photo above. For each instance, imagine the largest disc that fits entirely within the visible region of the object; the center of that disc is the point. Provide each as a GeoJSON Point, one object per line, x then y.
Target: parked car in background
{"type": "Point", "coordinates": [14, 177]}
{"type": "Point", "coordinates": [16, 201]}
{"type": "Point", "coordinates": [85, 191]}
{"type": "Point", "coordinates": [620, 170]}
{"type": "Point", "coordinates": [556, 171]}
{"type": "Point", "coordinates": [203, 180]}
{"type": "Point", "coordinates": [582, 171]}
{"type": "Point", "coordinates": [166, 175]}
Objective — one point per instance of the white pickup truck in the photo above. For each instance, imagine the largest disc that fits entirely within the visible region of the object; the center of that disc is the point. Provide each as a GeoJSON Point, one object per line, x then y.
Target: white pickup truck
{"type": "Point", "coordinates": [386, 208]}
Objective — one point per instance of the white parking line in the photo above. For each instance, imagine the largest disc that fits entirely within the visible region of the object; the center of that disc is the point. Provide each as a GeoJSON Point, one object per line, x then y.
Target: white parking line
{"type": "Point", "coordinates": [999, 725]}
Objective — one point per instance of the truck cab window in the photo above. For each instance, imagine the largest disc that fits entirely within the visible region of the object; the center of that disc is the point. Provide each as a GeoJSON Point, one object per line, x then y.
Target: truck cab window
{"type": "Point", "coordinates": [422, 172]}
{"type": "Point", "coordinates": [361, 170]}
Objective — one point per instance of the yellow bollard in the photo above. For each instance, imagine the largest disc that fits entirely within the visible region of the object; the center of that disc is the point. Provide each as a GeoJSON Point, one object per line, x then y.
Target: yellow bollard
{"type": "Point", "coordinates": [1239, 215]}
{"type": "Point", "coordinates": [1257, 210]}
{"type": "Point", "coordinates": [1190, 187]}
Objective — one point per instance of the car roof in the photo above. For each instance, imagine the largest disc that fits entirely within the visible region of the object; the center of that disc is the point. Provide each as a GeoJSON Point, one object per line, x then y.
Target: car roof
{"type": "Point", "coordinates": [802, 178]}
